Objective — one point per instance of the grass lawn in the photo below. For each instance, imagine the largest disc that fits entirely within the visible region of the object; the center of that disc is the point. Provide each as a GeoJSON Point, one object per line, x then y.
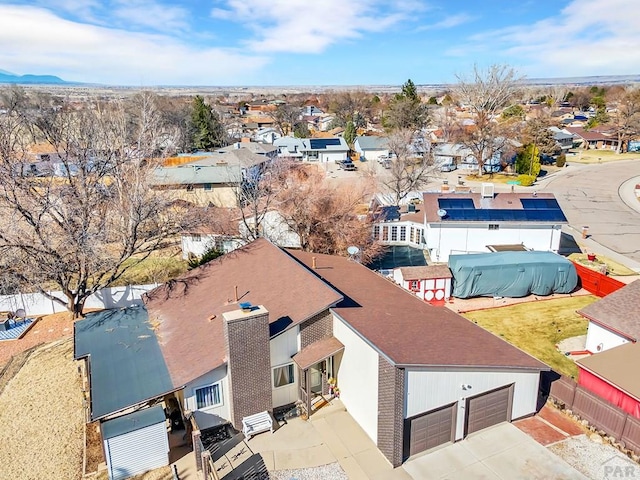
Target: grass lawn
{"type": "Point", "coordinates": [155, 269]}
{"type": "Point", "coordinates": [536, 327]}
{"type": "Point", "coordinates": [599, 156]}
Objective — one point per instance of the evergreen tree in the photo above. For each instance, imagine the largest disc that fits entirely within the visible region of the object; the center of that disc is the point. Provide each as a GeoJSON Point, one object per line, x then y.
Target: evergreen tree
{"type": "Point", "coordinates": [207, 131]}
{"type": "Point", "coordinates": [350, 133]}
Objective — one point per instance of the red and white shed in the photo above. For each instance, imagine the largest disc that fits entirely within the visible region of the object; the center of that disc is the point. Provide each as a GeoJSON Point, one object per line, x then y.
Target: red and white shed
{"type": "Point", "coordinates": [431, 283]}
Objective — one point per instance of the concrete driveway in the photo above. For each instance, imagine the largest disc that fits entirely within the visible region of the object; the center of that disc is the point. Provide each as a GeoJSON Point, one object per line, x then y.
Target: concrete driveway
{"type": "Point", "coordinates": [502, 452]}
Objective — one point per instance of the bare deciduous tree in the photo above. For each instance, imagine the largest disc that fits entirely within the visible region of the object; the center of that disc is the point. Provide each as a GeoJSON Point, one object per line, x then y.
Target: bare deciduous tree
{"type": "Point", "coordinates": [626, 117]}
{"type": "Point", "coordinates": [326, 217]}
{"type": "Point", "coordinates": [412, 167]}
{"type": "Point", "coordinates": [484, 95]}
{"type": "Point", "coordinates": [81, 225]}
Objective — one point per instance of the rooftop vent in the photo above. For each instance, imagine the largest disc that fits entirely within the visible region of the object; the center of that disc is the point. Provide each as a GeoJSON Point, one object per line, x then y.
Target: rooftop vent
{"type": "Point", "coordinates": [487, 190]}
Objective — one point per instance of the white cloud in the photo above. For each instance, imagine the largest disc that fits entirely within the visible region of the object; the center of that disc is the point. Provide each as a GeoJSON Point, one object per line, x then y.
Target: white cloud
{"type": "Point", "coordinates": [588, 37]}
{"type": "Point", "coordinates": [33, 40]}
{"type": "Point", "coordinates": [146, 13]}
{"type": "Point", "coordinates": [301, 26]}
{"type": "Point", "coordinates": [448, 22]}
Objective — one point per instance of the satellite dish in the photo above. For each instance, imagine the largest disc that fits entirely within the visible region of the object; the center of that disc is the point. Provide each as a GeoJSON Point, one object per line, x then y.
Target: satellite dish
{"type": "Point", "coordinates": [441, 212]}
{"type": "Point", "coordinates": [20, 313]}
{"type": "Point", "coordinates": [353, 250]}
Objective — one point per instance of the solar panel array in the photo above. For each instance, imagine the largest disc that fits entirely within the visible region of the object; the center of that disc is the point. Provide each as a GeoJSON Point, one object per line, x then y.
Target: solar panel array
{"type": "Point", "coordinates": [321, 143]}
{"type": "Point", "coordinates": [388, 214]}
{"type": "Point", "coordinates": [534, 210]}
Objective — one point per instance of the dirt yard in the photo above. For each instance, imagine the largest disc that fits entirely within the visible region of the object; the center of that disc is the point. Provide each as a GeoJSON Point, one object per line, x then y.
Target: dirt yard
{"type": "Point", "coordinates": [47, 329]}
{"type": "Point", "coordinates": [41, 417]}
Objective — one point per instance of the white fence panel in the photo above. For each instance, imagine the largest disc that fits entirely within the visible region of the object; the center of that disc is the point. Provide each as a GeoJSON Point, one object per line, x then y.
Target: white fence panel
{"type": "Point", "coordinates": [110, 297]}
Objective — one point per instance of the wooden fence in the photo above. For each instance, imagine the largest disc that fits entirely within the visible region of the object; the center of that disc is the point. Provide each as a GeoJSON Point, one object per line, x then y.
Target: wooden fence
{"type": "Point", "coordinates": [597, 283]}
{"type": "Point", "coordinates": [615, 422]}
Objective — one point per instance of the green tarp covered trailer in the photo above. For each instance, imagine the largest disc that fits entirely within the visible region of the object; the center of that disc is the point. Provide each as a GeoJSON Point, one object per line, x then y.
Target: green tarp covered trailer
{"type": "Point", "coordinates": [511, 274]}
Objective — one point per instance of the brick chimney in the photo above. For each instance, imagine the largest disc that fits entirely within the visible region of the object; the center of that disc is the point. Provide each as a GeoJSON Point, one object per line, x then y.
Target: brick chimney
{"type": "Point", "coordinates": [246, 333]}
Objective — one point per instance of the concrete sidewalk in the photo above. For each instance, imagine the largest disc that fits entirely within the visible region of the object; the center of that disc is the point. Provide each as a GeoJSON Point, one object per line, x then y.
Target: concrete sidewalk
{"type": "Point", "coordinates": [331, 435]}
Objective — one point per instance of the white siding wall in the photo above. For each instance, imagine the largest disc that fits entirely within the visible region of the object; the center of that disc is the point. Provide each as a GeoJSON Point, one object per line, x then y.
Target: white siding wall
{"type": "Point", "coordinates": [358, 378]}
{"type": "Point", "coordinates": [456, 239]}
{"type": "Point", "coordinates": [332, 156]}
{"type": "Point", "coordinates": [283, 347]}
{"type": "Point", "coordinates": [214, 376]}
{"type": "Point", "coordinates": [600, 336]}
{"type": "Point", "coordinates": [426, 390]}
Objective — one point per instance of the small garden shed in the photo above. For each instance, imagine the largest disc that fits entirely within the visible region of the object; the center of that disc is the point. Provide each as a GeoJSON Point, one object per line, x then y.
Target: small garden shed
{"type": "Point", "coordinates": [511, 274]}
{"type": "Point", "coordinates": [136, 443]}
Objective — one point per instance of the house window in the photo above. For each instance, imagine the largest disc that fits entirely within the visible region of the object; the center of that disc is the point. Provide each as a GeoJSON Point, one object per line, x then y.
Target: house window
{"type": "Point", "coordinates": [414, 285]}
{"type": "Point", "coordinates": [385, 233]}
{"type": "Point", "coordinates": [403, 234]}
{"type": "Point", "coordinates": [412, 237]}
{"type": "Point", "coordinates": [494, 226]}
{"type": "Point", "coordinates": [196, 237]}
{"type": "Point", "coordinates": [283, 376]}
{"type": "Point", "coordinates": [376, 232]}
{"type": "Point", "coordinates": [208, 396]}
{"type": "Point", "coordinates": [394, 234]}
{"type": "Point", "coordinates": [206, 186]}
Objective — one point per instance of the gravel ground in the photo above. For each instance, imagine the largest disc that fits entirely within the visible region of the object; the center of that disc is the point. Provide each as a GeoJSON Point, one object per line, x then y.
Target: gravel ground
{"type": "Point", "coordinates": [41, 418]}
{"type": "Point", "coordinates": [331, 471]}
{"type": "Point", "coordinates": [595, 460]}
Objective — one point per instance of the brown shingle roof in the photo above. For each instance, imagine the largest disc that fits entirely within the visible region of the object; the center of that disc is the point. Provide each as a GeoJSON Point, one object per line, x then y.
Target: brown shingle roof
{"type": "Point", "coordinates": [428, 271]}
{"type": "Point", "coordinates": [404, 328]}
{"type": "Point", "coordinates": [187, 312]}
{"type": "Point", "coordinates": [618, 311]}
{"type": "Point", "coordinates": [617, 366]}
{"type": "Point", "coordinates": [500, 201]}
{"type": "Point", "coordinates": [317, 351]}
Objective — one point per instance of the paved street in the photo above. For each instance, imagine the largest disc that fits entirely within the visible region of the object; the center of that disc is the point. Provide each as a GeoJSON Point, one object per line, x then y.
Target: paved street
{"type": "Point", "coordinates": [598, 196]}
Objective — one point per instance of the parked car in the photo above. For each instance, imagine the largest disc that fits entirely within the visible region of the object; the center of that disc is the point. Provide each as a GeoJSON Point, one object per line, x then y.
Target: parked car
{"type": "Point", "coordinates": [349, 166]}
{"type": "Point", "coordinates": [448, 167]}
{"type": "Point", "coordinates": [386, 164]}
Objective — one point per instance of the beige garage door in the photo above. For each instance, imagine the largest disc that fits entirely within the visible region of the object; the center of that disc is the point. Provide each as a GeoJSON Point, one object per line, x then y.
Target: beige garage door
{"type": "Point", "coordinates": [488, 409]}
{"type": "Point", "coordinates": [431, 429]}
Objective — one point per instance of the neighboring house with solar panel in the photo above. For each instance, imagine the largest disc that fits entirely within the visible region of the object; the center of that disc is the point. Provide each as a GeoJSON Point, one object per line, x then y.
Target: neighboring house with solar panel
{"type": "Point", "coordinates": [321, 150]}
{"type": "Point", "coordinates": [459, 223]}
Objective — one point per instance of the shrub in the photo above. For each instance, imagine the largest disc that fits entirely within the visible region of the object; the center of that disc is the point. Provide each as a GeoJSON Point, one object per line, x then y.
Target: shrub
{"type": "Point", "coordinates": [561, 160]}
{"type": "Point", "coordinates": [526, 180]}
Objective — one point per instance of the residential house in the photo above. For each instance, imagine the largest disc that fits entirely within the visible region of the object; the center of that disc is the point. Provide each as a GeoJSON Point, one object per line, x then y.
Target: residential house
{"type": "Point", "coordinates": [614, 320]}
{"type": "Point", "coordinates": [273, 227]}
{"type": "Point", "coordinates": [264, 328]}
{"type": "Point", "coordinates": [456, 223]}
{"type": "Point", "coordinates": [593, 139]}
{"type": "Point", "coordinates": [371, 148]}
{"type": "Point", "coordinates": [613, 375]}
{"type": "Point", "coordinates": [455, 155]}
{"type": "Point", "coordinates": [212, 178]}
{"type": "Point", "coordinates": [266, 135]}
{"type": "Point", "coordinates": [564, 138]}
{"type": "Point", "coordinates": [321, 150]}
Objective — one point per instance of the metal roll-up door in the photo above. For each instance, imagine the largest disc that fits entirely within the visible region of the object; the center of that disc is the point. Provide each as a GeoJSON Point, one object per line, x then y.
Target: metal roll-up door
{"type": "Point", "coordinates": [136, 443]}
{"type": "Point", "coordinates": [430, 429]}
{"type": "Point", "coordinates": [488, 409]}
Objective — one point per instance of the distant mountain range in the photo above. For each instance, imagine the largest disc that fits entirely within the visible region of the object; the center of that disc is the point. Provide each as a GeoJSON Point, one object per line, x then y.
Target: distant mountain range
{"type": "Point", "coordinates": [8, 77]}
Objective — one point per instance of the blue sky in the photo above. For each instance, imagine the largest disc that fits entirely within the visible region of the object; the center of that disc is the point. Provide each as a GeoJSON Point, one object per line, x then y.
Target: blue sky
{"type": "Point", "coordinates": [323, 42]}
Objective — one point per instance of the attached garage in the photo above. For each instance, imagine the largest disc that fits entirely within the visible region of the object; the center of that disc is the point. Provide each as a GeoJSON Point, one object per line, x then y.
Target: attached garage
{"type": "Point", "coordinates": [136, 443]}
{"type": "Point", "coordinates": [488, 409]}
{"type": "Point", "coordinates": [430, 429]}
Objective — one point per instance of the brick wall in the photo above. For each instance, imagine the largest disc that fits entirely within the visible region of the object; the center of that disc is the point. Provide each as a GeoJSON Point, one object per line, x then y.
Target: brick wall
{"type": "Point", "coordinates": [390, 411]}
{"type": "Point", "coordinates": [249, 364]}
{"type": "Point", "coordinates": [316, 328]}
